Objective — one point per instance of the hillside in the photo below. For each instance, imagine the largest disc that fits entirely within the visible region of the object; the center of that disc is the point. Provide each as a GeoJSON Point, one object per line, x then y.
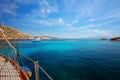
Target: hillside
{"type": "Point", "coordinates": [12, 33]}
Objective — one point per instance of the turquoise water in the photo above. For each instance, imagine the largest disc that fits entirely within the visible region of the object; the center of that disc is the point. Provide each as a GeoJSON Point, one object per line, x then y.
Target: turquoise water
{"type": "Point", "coordinates": [75, 60]}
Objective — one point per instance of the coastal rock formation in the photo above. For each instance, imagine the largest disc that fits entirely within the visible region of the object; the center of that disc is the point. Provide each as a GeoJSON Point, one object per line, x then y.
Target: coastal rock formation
{"type": "Point", "coordinates": [12, 33]}
{"type": "Point", "coordinates": [115, 39]}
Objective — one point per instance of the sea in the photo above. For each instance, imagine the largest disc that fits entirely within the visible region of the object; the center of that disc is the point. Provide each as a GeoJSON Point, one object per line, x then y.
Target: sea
{"type": "Point", "coordinates": [73, 59]}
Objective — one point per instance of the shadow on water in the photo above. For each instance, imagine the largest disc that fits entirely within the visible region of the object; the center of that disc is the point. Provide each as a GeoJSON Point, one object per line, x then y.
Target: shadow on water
{"type": "Point", "coordinates": [30, 65]}
{"type": "Point", "coordinates": [74, 68]}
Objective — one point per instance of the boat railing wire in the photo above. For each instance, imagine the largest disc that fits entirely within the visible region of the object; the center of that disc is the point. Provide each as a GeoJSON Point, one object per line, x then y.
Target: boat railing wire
{"type": "Point", "coordinates": [12, 49]}
{"type": "Point", "coordinates": [39, 66]}
{"type": "Point", "coordinates": [16, 54]}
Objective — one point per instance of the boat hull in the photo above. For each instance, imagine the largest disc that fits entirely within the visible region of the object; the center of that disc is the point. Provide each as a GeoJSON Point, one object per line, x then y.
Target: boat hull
{"type": "Point", "coordinates": [18, 69]}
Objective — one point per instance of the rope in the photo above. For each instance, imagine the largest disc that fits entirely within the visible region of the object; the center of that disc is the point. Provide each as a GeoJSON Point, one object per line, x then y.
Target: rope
{"type": "Point", "coordinates": [5, 36]}
{"type": "Point", "coordinates": [28, 58]}
{"type": "Point", "coordinates": [8, 41]}
{"type": "Point", "coordinates": [25, 56]}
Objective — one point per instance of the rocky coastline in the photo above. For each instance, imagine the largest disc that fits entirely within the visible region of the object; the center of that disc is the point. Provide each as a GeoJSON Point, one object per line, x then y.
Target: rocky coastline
{"type": "Point", "coordinates": [115, 39]}
{"type": "Point", "coordinates": [14, 34]}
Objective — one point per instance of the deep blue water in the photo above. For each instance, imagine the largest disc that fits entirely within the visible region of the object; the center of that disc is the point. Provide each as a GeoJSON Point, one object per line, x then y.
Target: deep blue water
{"type": "Point", "coordinates": [75, 59]}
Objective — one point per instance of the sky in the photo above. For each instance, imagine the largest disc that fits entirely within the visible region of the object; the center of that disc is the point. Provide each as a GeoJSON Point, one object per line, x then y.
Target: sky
{"type": "Point", "coordinates": [63, 18]}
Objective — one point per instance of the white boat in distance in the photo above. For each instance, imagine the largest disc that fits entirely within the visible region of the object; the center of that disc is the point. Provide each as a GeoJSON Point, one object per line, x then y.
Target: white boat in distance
{"type": "Point", "coordinates": [37, 39]}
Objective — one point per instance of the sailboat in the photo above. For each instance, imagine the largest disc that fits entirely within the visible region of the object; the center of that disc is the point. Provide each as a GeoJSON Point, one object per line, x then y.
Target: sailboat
{"type": "Point", "coordinates": [36, 39]}
{"type": "Point", "coordinates": [10, 69]}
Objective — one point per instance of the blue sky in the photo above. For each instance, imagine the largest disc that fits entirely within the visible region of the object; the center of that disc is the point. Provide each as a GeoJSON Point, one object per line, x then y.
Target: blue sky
{"type": "Point", "coordinates": [64, 18]}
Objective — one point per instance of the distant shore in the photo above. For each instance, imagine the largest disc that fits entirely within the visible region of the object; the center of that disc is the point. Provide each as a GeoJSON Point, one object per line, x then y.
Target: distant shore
{"type": "Point", "coordinates": [115, 39]}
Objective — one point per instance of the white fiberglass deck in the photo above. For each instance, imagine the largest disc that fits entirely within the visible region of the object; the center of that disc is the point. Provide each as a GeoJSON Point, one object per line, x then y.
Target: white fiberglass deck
{"type": "Point", "coordinates": [8, 71]}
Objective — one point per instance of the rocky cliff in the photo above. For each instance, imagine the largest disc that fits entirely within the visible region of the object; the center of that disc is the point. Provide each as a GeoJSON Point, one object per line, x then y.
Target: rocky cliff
{"type": "Point", "coordinates": [115, 39]}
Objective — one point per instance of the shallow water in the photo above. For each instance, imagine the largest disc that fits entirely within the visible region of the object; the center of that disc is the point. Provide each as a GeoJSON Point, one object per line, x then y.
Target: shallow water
{"type": "Point", "coordinates": [75, 60]}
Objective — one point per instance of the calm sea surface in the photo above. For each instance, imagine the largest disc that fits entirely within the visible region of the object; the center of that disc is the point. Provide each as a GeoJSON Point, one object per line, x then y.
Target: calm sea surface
{"type": "Point", "coordinates": [75, 59]}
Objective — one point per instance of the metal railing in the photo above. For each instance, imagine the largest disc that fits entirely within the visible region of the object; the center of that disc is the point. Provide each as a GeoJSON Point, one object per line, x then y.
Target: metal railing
{"type": "Point", "coordinates": [37, 67]}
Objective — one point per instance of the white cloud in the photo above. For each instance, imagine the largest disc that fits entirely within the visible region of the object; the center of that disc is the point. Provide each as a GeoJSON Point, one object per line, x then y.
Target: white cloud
{"type": "Point", "coordinates": [76, 13]}
{"type": "Point", "coordinates": [91, 20]}
{"type": "Point", "coordinates": [49, 22]}
{"type": "Point", "coordinates": [60, 20]}
{"type": "Point", "coordinates": [70, 28]}
{"type": "Point", "coordinates": [27, 2]}
{"type": "Point", "coordinates": [112, 14]}
{"type": "Point", "coordinates": [7, 7]}
{"type": "Point", "coordinates": [95, 33]}
{"type": "Point", "coordinates": [57, 22]}
{"type": "Point", "coordinates": [109, 16]}
{"type": "Point", "coordinates": [44, 9]}
{"type": "Point", "coordinates": [82, 9]}
{"type": "Point", "coordinates": [47, 6]}
{"type": "Point", "coordinates": [101, 32]}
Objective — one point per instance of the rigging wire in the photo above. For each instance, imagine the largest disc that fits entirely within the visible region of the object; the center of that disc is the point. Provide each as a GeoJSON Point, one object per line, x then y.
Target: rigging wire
{"type": "Point", "coordinates": [14, 22]}
{"type": "Point", "coordinates": [15, 51]}
{"type": "Point", "coordinates": [4, 36]}
{"type": "Point", "coordinates": [13, 47]}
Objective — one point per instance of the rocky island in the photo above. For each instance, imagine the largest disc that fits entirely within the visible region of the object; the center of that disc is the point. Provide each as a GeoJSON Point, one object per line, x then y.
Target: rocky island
{"type": "Point", "coordinates": [103, 39]}
{"type": "Point", "coordinates": [115, 39]}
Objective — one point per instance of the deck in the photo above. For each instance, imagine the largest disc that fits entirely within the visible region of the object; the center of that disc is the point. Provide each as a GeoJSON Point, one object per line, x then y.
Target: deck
{"type": "Point", "coordinates": [8, 71]}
